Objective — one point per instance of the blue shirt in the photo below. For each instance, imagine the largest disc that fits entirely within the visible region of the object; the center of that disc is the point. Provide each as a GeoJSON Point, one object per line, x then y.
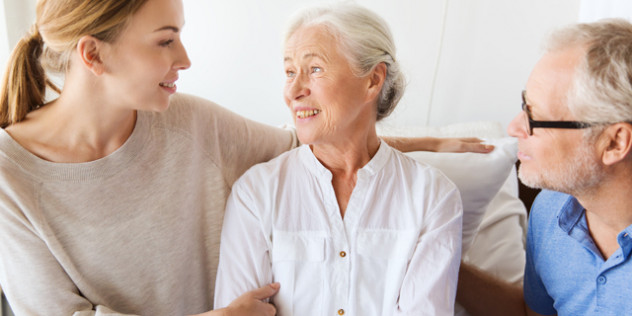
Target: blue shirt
{"type": "Point", "coordinates": [565, 273]}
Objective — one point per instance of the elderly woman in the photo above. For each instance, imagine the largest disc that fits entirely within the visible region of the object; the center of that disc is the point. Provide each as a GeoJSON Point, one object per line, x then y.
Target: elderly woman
{"type": "Point", "coordinates": [346, 224]}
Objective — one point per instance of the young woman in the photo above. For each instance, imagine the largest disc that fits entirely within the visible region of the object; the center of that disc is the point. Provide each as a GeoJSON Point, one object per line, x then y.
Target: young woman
{"type": "Point", "coordinates": [112, 195]}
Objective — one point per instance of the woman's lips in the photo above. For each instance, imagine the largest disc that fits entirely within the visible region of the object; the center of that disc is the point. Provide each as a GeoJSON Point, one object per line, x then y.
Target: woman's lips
{"type": "Point", "coordinates": [169, 86]}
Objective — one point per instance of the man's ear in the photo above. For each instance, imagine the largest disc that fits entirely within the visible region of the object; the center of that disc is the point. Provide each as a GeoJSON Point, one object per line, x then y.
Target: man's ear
{"type": "Point", "coordinates": [617, 140]}
{"type": "Point", "coordinates": [89, 51]}
{"type": "Point", "coordinates": [376, 80]}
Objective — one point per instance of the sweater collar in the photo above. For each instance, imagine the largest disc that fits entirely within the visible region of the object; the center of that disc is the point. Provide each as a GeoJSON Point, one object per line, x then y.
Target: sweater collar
{"type": "Point", "coordinates": [103, 167]}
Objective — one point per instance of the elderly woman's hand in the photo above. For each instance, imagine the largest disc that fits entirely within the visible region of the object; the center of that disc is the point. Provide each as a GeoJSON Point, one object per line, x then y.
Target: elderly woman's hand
{"type": "Point", "coordinates": [249, 304]}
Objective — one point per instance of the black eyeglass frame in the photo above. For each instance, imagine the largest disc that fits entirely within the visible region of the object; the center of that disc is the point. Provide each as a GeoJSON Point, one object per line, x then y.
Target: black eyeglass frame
{"type": "Point", "coordinates": [531, 124]}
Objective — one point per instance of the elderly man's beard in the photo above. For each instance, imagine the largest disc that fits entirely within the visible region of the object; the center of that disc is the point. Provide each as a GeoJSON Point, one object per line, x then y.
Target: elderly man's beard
{"type": "Point", "coordinates": [577, 175]}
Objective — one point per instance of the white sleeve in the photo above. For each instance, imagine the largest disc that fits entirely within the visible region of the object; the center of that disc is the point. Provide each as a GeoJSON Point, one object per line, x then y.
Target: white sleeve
{"type": "Point", "coordinates": [429, 286]}
{"type": "Point", "coordinates": [244, 260]}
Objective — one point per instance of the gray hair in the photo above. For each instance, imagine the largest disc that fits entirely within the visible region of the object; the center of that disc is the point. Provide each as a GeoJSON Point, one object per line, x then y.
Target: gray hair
{"type": "Point", "coordinates": [366, 41]}
{"type": "Point", "coordinates": [601, 91]}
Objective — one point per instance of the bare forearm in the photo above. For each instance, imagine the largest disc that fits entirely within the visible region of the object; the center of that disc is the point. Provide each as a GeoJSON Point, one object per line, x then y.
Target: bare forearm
{"type": "Point", "coordinates": [408, 144]}
{"type": "Point", "coordinates": [482, 294]}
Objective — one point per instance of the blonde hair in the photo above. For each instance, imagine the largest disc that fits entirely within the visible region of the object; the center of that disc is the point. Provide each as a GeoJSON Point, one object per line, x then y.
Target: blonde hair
{"type": "Point", "coordinates": [59, 26]}
{"type": "Point", "coordinates": [366, 40]}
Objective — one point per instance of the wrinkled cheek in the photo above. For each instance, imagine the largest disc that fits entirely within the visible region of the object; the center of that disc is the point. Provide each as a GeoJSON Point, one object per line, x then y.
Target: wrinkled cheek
{"type": "Point", "coordinates": [331, 123]}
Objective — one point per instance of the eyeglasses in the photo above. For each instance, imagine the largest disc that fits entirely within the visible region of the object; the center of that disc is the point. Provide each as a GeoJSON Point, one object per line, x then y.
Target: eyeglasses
{"type": "Point", "coordinates": [531, 124]}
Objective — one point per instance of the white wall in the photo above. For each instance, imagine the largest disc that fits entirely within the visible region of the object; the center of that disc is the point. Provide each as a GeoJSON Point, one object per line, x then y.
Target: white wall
{"type": "Point", "coordinates": [465, 60]}
{"type": "Point", "coordinates": [4, 40]}
{"type": "Point", "coordinates": [592, 10]}
{"type": "Point", "coordinates": [16, 17]}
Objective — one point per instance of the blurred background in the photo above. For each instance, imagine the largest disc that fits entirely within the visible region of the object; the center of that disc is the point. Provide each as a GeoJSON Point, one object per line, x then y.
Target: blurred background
{"type": "Point", "coordinates": [465, 60]}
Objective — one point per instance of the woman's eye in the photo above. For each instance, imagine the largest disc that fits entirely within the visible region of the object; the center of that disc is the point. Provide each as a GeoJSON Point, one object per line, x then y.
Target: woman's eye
{"type": "Point", "coordinates": [317, 69]}
{"type": "Point", "coordinates": [166, 43]}
{"type": "Point", "coordinates": [290, 74]}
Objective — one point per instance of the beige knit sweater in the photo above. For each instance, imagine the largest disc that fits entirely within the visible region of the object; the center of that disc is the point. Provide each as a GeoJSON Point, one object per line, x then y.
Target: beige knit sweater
{"type": "Point", "coordinates": [136, 232]}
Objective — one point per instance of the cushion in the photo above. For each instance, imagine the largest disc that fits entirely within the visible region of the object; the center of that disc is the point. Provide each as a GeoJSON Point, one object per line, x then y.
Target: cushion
{"type": "Point", "coordinates": [478, 177]}
{"type": "Point", "coordinates": [498, 246]}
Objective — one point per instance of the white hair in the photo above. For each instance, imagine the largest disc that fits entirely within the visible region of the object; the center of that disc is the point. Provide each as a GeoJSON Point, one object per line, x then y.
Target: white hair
{"type": "Point", "coordinates": [365, 40]}
{"type": "Point", "coordinates": [602, 86]}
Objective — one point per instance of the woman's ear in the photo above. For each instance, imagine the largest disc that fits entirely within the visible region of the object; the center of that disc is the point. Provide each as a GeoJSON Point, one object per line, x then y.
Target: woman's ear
{"type": "Point", "coordinates": [89, 51]}
{"type": "Point", "coordinates": [617, 140]}
{"type": "Point", "coordinates": [376, 80]}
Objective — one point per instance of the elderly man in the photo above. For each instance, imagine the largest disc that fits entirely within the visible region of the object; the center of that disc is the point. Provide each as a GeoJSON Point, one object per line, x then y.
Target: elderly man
{"type": "Point", "coordinates": [575, 138]}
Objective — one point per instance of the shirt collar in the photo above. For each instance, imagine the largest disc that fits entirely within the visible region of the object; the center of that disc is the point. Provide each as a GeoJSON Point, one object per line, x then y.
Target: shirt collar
{"type": "Point", "coordinates": [372, 167]}
{"type": "Point", "coordinates": [570, 214]}
{"type": "Point", "coordinates": [625, 241]}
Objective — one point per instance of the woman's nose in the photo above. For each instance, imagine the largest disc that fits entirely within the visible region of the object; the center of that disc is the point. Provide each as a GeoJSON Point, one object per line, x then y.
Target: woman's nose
{"type": "Point", "coordinates": [182, 61]}
{"type": "Point", "coordinates": [299, 88]}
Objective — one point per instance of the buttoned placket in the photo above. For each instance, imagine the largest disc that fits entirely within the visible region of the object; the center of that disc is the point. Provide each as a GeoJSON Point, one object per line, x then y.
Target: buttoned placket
{"type": "Point", "coordinates": [617, 258]}
{"type": "Point", "coordinates": [339, 274]}
{"type": "Point", "coordinates": [344, 232]}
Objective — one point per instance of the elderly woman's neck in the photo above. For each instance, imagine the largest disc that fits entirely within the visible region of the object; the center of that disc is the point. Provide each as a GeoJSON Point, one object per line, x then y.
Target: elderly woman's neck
{"type": "Point", "coordinates": [344, 158]}
{"type": "Point", "coordinates": [348, 154]}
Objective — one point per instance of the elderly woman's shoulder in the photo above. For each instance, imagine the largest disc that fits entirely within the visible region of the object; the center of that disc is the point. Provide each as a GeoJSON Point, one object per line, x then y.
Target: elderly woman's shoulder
{"type": "Point", "coordinates": [419, 169]}
{"type": "Point", "coordinates": [284, 165]}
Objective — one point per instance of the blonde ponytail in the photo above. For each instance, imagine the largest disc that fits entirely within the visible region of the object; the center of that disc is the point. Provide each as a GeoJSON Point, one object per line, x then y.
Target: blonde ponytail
{"type": "Point", "coordinates": [24, 82]}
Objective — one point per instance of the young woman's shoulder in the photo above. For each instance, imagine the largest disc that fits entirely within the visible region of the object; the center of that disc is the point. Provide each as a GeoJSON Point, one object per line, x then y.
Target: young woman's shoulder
{"type": "Point", "coordinates": [187, 110]}
{"type": "Point", "coordinates": [190, 105]}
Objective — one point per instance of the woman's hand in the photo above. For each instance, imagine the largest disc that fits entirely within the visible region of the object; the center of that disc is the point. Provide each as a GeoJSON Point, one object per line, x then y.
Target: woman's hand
{"type": "Point", "coordinates": [249, 304]}
{"type": "Point", "coordinates": [455, 145]}
{"type": "Point", "coordinates": [462, 145]}
{"type": "Point", "coordinates": [252, 304]}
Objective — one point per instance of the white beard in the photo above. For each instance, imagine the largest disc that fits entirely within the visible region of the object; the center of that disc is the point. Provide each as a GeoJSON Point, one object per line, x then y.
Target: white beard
{"type": "Point", "coordinates": [580, 174]}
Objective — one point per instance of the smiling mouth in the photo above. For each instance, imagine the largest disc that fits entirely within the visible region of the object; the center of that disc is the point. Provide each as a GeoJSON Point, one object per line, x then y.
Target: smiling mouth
{"type": "Point", "coordinates": [306, 114]}
{"type": "Point", "coordinates": [167, 84]}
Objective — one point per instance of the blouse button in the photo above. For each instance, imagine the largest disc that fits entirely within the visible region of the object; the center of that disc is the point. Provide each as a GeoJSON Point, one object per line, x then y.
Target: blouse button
{"type": "Point", "coordinates": [341, 311]}
{"type": "Point", "coordinates": [601, 279]}
{"type": "Point", "coordinates": [342, 255]}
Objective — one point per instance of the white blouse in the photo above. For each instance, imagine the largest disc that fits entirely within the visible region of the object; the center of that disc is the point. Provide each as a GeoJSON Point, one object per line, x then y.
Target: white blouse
{"type": "Point", "coordinates": [395, 252]}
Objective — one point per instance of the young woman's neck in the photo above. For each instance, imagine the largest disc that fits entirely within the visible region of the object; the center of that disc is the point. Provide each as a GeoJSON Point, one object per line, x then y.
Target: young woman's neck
{"type": "Point", "coordinates": [81, 125]}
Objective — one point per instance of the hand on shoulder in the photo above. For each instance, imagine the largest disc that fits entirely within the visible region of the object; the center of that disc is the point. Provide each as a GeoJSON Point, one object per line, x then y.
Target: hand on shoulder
{"type": "Point", "coordinates": [462, 145]}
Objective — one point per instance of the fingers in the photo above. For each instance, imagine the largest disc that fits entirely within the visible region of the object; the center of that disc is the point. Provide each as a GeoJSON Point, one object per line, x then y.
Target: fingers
{"type": "Point", "coordinates": [474, 145]}
{"type": "Point", "coordinates": [471, 140]}
{"type": "Point", "coordinates": [478, 148]}
{"type": "Point", "coordinates": [266, 291]}
{"type": "Point", "coordinates": [252, 303]}
{"type": "Point", "coordinates": [269, 309]}
{"type": "Point", "coordinates": [464, 145]}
